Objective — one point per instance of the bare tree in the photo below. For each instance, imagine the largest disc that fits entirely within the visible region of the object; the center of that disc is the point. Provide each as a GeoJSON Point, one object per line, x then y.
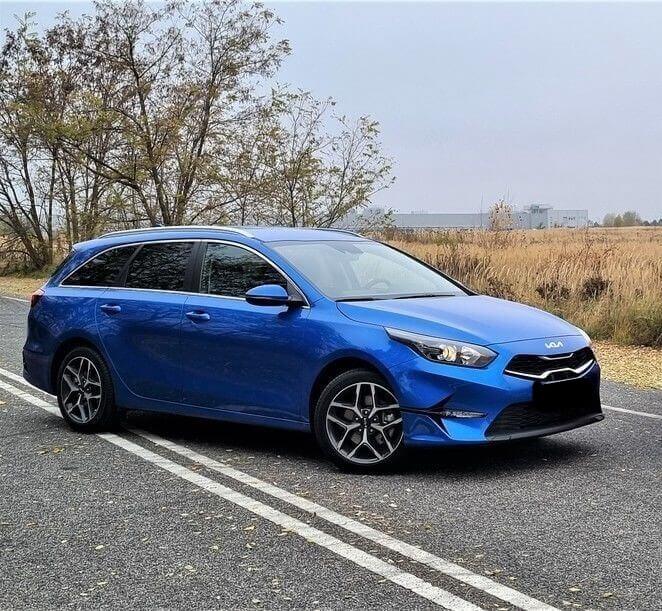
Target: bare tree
{"type": "Point", "coordinates": [323, 166]}
{"type": "Point", "coordinates": [182, 81]}
{"type": "Point", "coordinates": [32, 94]}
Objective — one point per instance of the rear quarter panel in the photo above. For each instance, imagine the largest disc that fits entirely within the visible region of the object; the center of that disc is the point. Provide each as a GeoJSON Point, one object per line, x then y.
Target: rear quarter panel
{"type": "Point", "coordinates": [62, 314]}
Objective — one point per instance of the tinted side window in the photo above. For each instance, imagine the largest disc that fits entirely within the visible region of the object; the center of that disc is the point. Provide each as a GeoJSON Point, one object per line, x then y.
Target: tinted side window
{"type": "Point", "coordinates": [159, 266]}
{"type": "Point", "coordinates": [231, 271]}
{"type": "Point", "coordinates": [103, 270]}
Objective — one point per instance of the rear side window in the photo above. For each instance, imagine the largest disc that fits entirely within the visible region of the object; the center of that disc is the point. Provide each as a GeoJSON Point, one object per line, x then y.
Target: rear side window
{"type": "Point", "coordinates": [102, 270]}
{"type": "Point", "coordinates": [231, 271]}
{"type": "Point", "coordinates": [160, 267]}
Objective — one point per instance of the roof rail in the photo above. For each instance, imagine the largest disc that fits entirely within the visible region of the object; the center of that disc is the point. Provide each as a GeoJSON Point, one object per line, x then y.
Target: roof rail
{"type": "Point", "coordinates": [347, 231]}
{"type": "Point", "coordinates": [179, 228]}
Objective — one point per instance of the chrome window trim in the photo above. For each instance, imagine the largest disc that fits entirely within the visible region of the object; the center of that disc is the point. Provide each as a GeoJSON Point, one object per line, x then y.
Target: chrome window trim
{"type": "Point", "coordinates": [543, 376]}
{"type": "Point", "coordinates": [192, 240]}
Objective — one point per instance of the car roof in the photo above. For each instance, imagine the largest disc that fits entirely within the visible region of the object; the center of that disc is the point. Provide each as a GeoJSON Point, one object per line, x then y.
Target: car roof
{"type": "Point", "coordinates": [262, 234]}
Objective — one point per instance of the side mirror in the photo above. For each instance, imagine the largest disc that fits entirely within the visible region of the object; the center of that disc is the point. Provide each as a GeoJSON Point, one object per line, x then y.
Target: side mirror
{"type": "Point", "coordinates": [272, 295]}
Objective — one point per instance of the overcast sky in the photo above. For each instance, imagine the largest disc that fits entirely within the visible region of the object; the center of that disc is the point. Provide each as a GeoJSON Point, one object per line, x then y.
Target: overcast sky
{"type": "Point", "coordinates": [558, 104]}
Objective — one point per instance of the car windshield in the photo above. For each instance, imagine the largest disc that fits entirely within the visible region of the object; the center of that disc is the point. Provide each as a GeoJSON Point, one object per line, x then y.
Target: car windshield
{"type": "Point", "coordinates": [357, 271]}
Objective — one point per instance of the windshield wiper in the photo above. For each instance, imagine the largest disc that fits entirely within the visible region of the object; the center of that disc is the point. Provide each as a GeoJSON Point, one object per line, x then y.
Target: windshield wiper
{"type": "Point", "coordinates": [422, 295]}
{"type": "Point", "coordinates": [386, 297]}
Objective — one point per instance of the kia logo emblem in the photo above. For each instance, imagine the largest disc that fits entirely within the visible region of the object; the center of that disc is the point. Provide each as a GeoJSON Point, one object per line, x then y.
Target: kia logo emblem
{"type": "Point", "coordinates": [551, 345]}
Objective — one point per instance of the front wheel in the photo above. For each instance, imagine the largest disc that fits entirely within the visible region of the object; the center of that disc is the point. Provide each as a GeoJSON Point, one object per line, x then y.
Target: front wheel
{"type": "Point", "coordinates": [85, 391]}
{"type": "Point", "coordinates": [357, 421]}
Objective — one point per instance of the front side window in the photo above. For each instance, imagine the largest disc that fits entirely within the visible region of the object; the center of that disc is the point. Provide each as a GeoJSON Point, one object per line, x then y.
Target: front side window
{"type": "Point", "coordinates": [231, 271]}
{"type": "Point", "coordinates": [160, 267]}
{"type": "Point", "coordinates": [102, 270]}
{"type": "Point", "coordinates": [345, 270]}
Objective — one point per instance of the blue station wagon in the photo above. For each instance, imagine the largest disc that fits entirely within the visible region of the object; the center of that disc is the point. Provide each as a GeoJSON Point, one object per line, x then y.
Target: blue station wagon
{"type": "Point", "coordinates": [315, 330]}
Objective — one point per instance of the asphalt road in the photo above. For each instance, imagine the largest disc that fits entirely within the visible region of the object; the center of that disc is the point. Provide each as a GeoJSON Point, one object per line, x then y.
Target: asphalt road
{"type": "Point", "coordinates": [175, 512]}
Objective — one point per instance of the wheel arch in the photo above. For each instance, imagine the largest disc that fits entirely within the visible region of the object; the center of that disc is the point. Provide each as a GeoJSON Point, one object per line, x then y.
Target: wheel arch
{"type": "Point", "coordinates": [63, 349]}
{"type": "Point", "coordinates": [340, 365]}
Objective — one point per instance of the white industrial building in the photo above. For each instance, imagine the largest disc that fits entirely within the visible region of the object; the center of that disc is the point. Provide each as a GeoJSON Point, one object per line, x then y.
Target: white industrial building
{"type": "Point", "coordinates": [535, 216]}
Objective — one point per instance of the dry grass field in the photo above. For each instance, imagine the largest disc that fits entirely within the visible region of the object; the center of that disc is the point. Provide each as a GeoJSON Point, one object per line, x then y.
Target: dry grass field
{"type": "Point", "coordinates": [607, 281]}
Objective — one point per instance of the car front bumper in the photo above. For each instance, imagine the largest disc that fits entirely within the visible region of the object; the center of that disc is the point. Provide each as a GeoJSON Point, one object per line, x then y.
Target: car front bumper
{"type": "Point", "coordinates": [504, 407]}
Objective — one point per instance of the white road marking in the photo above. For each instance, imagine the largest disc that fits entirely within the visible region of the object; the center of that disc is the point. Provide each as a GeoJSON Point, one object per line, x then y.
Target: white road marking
{"type": "Point", "coordinates": [632, 411]}
{"type": "Point", "coordinates": [363, 559]}
{"type": "Point", "coordinates": [14, 299]}
{"type": "Point", "coordinates": [21, 380]}
{"type": "Point", "coordinates": [26, 396]}
{"type": "Point", "coordinates": [412, 552]}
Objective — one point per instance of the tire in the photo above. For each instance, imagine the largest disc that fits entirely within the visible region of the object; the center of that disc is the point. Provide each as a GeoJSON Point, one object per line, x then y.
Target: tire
{"type": "Point", "coordinates": [357, 437]}
{"type": "Point", "coordinates": [77, 386]}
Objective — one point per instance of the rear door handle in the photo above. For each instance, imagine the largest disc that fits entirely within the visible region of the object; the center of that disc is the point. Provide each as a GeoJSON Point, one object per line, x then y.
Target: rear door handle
{"type": "Point", "coordinates": [111, 308]}
{"type": "Point", "coordinates": [197, 316]}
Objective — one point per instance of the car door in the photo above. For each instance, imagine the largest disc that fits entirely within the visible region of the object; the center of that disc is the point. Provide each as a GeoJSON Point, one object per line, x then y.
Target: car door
{"type": "Point", "coordinates": [237, 356]}
{"type": "Point", "coordinates": [139, 322]}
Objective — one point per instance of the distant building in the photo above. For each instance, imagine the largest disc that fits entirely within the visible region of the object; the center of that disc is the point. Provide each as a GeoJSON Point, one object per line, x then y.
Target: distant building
{"type": "Point", "coordinates": [435, 220]}
{"type": "Point", "coordinates": [532, 217]}
{"type": "Point", "coordinates": [546, 217]}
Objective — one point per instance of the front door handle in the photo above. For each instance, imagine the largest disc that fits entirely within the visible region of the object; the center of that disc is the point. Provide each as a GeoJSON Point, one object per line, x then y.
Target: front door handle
{"type": "Point", "coordinates": [197, 316]}
{"type": "Point", "coordinates": [111, 308]}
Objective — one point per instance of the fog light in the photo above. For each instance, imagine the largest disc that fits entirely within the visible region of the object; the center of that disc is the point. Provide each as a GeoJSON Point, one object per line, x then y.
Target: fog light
{"type": "Point", "coordinates": [458, 413]}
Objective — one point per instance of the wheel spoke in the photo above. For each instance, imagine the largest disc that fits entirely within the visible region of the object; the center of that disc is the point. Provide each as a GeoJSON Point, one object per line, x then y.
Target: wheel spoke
{"type": "Point", "coordinates": [71, 370]}
{"type": "Point", "coordinates": [337, 421]}
{"type": "Point", "coordinates": [69, 381]}
{"type": "Point", "coordinates": [374, 451]}
{"type": "Point", "coordinates": [382, 431]}
{"type": "Point", "coordinates": [384, 408]}
{"type": "Point", "coordinates": [387, 424]}
{"type": "Point", "coordinates": [348, 431]}
{"type": "Point", "coordinates": [71, 392]}
{"type": "Point", "coordinates": [356, 448]}
{"type": "Point", "coordinates": [352, 408]}
{"type": "Point", "coordinates": [84, 409]}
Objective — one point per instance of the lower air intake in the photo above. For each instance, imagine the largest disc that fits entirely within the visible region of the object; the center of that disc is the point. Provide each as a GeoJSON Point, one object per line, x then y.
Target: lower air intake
{"type": "Point", "coordinates": [553, 405]}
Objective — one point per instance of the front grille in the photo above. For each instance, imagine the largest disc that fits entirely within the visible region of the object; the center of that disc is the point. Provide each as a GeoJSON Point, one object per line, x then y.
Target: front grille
{"type": "Point", "coordinates": [552, 405]}
{"type": "Point", "coordinates": [551, 368]}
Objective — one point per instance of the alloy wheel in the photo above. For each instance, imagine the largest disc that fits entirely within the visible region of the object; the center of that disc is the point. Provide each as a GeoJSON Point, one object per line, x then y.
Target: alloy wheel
{"type": "Point", "coordinates": [80, 389]}
{"type": "Point", "coordinates": [364, 423]}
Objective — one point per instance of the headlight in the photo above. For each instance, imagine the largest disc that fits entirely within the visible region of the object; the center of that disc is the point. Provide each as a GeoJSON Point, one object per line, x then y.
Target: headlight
{"type": "Point", "coordinates": [444, 350]}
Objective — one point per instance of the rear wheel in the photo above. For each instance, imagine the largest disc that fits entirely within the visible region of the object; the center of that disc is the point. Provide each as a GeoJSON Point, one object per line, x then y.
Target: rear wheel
{"type": "Point", "coordinates": [85, 391]}
{"type": "Point", "coordinates": [357, 421]}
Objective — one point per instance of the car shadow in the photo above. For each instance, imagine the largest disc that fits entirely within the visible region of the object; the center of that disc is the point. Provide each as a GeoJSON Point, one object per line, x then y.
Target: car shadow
{"type": "Point", "coordinates": [458, 461]}
{"type": "Point", "coordinates": [226, 435]}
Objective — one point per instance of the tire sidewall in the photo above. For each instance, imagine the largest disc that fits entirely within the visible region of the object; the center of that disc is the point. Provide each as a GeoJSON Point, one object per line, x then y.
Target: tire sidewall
{"type": "Point", "coordinates": [106, 416]}
{"type": "Point", "coordinates": [319, 422]}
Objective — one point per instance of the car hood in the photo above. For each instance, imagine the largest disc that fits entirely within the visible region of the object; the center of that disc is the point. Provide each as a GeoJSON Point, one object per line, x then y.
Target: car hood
{"type": "Point", "coordinates": [471, 318]}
